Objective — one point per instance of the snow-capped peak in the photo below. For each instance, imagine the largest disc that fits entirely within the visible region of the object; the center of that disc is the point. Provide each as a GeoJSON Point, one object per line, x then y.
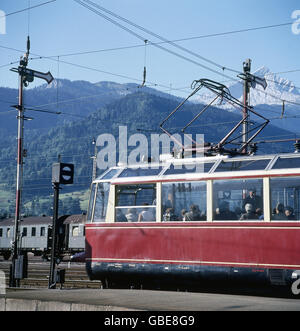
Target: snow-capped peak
{"type": "Point", "coordinates": [278, 89]}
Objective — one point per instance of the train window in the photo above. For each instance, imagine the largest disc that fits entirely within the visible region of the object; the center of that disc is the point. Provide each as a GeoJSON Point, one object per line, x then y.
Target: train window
{"type": "Point", "coordinates": [24, 232]}
{"type": "Point", "coordinates": [243, 165]}
{"type": "Point", "coordinates": [287, 163]}
{"type": "Point", "coordinates": [184, 202]}
{"type": "Point", "coordinates": [140, 172]}
{"type": "Point", "coordinates": [91, 203]}
{"type": "Point", "coordinates": [43, 231]}
{"type": "Point", "coordinates": [1, 232]}
{"type": "Point", "coordinates": [179, 170]}
{"type": "Point", "coordinates": [101, 202]}
{"type": "Point", "coordinates": [8, 232]}
{"type": "Point", "coordinates": [238, 200]}
{"type": "Point", "coordinates": [285, 199]}
{"type": "Point", "coordinates": [33, 232]}
{"type": "Point", "coordinates": [110, 174]}
{"type": "Point", "coordinates": [136, 203]}
{"type": "Point", "coordinates": [75, 231]}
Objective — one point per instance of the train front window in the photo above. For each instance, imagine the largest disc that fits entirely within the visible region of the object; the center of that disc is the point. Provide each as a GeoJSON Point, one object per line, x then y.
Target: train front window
{"type": "Point", "coordinates": [101, 202]}
{"type": "Point", "coordinates": [285, 199]}
{"type": "Point", "coordinates": [136, 203]}
{"type": "Point", "coordinates": [235, 200]}
{"type": "Point", "coordinates": [91, 203]}
{"type": "Point", "coordinates": [184, 202]}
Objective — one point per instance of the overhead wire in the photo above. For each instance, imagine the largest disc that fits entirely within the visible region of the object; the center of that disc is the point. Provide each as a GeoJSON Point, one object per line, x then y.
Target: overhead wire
{"type": "Point", "coordinates": [27, 9]}
{"type": "Point", "coordinates": [84, 4]}
{"type": "Point", "coordinates": [166, 41]}
{"type": "Point", "coordinates": [150, 42]}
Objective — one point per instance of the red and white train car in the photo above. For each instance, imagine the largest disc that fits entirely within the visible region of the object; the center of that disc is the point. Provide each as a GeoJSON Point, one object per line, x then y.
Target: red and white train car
{"type": "Point", "coordinates": [188, 220]}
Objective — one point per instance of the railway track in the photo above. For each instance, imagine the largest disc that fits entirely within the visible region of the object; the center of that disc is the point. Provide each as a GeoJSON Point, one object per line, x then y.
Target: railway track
{"type": "Point", "coordinates": [38, 275]}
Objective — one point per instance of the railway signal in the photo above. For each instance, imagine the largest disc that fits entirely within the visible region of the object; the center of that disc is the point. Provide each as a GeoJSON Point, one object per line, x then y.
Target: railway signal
{"type": "Point", "coordinates": [62, 173]}
{"type": "Point", "coordinates": [26, 76]}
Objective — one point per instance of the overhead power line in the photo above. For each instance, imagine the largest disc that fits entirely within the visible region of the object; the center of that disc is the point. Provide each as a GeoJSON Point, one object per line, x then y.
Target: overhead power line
{"type": "Point", "coordinates": [87, 4]}
{"type": "Point", "coordinates": [97, 12]}
{"type": "Point", "coordinates": [28, 8]}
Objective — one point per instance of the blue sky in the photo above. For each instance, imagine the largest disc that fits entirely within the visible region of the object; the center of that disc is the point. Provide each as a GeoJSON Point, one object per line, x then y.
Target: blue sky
{"type": "Point", "coordinates": [65, 27]}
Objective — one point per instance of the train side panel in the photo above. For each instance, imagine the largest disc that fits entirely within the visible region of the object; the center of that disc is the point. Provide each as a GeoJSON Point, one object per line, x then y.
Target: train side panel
{"type": "Point", "coordinates": [255, 246]}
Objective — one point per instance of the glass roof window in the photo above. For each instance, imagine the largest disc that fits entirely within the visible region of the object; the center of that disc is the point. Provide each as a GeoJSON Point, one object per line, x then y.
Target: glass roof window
{"type": "Point", "coordinates": [110, 174]}
{"type": "Point", "coordinates": [188, 169]}
{"type": "Point", "coordinates": [287, 163]}
{"type": "Point", "coordinates": [248, 165]}
{"type": "Point", "coordinates": [140, 172]}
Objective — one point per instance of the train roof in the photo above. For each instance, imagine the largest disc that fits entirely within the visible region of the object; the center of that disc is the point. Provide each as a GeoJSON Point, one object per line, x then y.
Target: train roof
{"type": "Point", "coordinates": [75, 219]}
{"type": "Point", "coordinates": [44, 220]}
{"type": "Point", "coordinates": [217, 166]}
{"type": "Point", "coordinates": [32, 220]}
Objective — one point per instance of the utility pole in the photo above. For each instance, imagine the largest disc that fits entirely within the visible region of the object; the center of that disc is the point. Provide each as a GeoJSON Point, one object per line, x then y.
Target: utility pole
{"type": "Point", "coordinates": [26, 76]}
{"type": "Point", "coordinates": [94, 176]}
{"type": "Point", "coordinates": [52, 280]}
{"type": "Point", "coordinates": [247, 82]}
{"type": "Point", "coordinates": [20, 107]}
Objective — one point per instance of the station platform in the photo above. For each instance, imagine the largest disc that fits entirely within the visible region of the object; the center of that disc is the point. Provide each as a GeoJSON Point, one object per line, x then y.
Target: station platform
{"type": "Point", "coordinates": [137, 300]}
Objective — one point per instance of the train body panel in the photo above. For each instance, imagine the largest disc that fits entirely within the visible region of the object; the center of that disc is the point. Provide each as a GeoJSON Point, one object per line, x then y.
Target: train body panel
{"type": "Point", "coordinates": [194, 248]}
{"type": "Point", "coordinates": [229, 218]}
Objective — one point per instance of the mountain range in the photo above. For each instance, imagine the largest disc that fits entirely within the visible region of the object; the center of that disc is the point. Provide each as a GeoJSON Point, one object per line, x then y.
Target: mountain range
{"type": "Point", "coordinates": [267, 102]}
{"type": "Point", "coordinates": [89, 110]}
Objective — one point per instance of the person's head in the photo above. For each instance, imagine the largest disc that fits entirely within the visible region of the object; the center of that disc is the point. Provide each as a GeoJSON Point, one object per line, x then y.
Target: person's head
{"type": "Point", "coordinates": [259, 212]}
{"type": "Point", "coordinates": [170, 211]}
{"type": "Point", "coordinates": [289, 211]}
{"type": "Point", "coordinates": [252, 192]}
{"type": "Point", "coordinates": [131, 211]}
{"type": "Point", "coordinates": [279, 208]}
{"type": "Point", "coordinates": [224, 206]}
{"type": "Point", "coordinates": [249, 208]}
{"type": "Point", "coordinates": [194, 209]}
{"type": "Point", "coordinates": [183, 212]}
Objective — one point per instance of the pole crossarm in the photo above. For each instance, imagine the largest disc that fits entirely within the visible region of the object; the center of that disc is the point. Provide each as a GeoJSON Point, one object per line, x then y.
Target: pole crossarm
{"type": "Point", "coordinates": [223, 94]}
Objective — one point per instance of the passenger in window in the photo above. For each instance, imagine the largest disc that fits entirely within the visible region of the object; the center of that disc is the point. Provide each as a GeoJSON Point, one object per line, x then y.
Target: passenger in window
{"type": "Point", "coordinates": [132, 215]}
{"type": "Point", "coordinates": [250, 214]}
{"type": "Point", "coordinates": [194, 215]}
{"type": "Point", "coordinates": [169, 203]}
{"type": "Point", "coordinates": [255, 200]}
{"type": "Point", "coordinates": [169, 216]}
{"type": "Point", "coordinates": [146, 215]}
{"type": "Point", "coordinates": [121, 218]}
{"type": "Point", "coordinates": [183, 215]}
{"type": "Point", "coordinates": [279, 213]}
{"type": "Point", "coordinates": [238, 212]}
{"type": "Point", "coordinates": [225, 214]}
{"type": "Point", "coordinates": [260, 214]}
{"type": "Point", "coordinates": [289, 213]}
